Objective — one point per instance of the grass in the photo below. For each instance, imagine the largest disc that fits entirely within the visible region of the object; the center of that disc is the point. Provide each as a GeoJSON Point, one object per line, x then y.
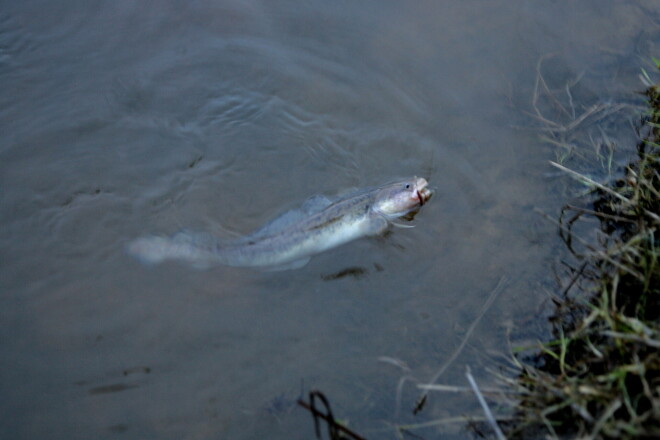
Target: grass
{"type": "Point", "coordinates": [576, 133]}
{"type": "Point", "coordinates": [599, 377]}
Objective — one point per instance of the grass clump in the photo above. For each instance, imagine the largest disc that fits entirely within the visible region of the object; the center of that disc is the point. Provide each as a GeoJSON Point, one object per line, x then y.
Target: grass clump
{"type": "Point", "coordinates": [600, 375]}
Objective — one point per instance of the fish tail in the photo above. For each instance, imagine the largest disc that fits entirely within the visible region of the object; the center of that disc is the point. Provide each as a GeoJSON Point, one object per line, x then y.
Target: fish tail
{"type": "Point", "coordinates": [153, 250]}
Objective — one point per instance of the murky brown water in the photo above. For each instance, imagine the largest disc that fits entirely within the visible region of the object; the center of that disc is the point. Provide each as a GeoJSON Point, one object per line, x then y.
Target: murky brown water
{"type": "Point", "coordinates": [121, 119]}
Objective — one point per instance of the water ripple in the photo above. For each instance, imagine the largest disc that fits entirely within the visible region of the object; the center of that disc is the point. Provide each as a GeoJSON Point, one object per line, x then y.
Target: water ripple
{"type": "Point", "coordinates": [14, 41]}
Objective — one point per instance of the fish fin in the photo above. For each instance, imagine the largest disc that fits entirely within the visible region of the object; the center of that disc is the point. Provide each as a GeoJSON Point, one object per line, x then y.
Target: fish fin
{"type": "Point", "coordinates": [316, 204]}
{"type": "Point", "coordinates": [278, 224]}
{"type": "Point", "coordinates": [192, 248]}
{"type": "Point", "coordinates": [377, 225]}
{"type": "Point", "coordinates": [191, 237]}
{"type": "Point", "coordinates": [149, 250]}
{"type": "Point", "coordinates": [400, 225]}
{"type": "Point", "coordinates": [292, 265]}
{"type": "Point", "coordinates": [283, 221]}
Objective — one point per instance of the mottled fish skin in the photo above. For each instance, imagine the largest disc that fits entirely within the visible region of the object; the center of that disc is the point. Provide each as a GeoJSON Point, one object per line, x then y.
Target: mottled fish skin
{"type": "Point", "coordinates": [359, 214]}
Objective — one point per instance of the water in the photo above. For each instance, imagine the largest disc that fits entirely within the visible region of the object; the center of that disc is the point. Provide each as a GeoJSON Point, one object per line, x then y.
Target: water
{"type": "Point", "coordinates": [122, 119]}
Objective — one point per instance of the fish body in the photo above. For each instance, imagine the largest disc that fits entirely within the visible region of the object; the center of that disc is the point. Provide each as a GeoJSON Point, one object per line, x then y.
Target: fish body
{"type": "Point", "coordinates": [291, 239]}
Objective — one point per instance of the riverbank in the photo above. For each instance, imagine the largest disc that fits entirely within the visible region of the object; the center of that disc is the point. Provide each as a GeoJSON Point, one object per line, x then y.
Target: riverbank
{"type": "Point", "coordinates": [599, 377]}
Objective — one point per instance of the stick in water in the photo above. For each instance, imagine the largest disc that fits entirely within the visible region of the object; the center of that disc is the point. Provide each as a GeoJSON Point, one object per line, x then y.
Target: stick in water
{"type": "Point", "coordinates": [484, 405]}
{"type": "Point", "coordinates": [489, 302]}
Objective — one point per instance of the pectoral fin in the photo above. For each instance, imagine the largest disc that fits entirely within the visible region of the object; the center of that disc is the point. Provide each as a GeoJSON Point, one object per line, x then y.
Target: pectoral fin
{"type": "Point", "coordinates": [401, 225]}
{"type": "Point", "coordinates": [377, 225]}
{"type": "Point", "coordinates": [293, 265]}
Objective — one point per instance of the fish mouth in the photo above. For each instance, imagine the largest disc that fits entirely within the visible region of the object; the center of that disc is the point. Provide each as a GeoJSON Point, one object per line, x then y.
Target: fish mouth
{"type": "Point", "coordinates": [423, 193]}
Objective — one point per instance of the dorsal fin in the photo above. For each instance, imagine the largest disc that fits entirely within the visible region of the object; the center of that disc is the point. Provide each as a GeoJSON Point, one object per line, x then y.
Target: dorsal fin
{"type": "Point", "coordinates": [316, 204]}
{"type": "Point", "coordinates": [283, 221]}
{"type": "Point", "coordinates": [276, 225]}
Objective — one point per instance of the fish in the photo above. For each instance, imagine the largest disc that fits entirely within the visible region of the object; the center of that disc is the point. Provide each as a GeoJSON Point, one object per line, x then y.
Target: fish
{"type": "Point", "coordinates": [290, 240]}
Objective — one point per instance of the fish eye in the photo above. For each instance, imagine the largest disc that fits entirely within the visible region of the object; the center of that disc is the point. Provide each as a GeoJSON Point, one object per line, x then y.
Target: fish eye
{"type": "Point", "coordinates": [407, 186]}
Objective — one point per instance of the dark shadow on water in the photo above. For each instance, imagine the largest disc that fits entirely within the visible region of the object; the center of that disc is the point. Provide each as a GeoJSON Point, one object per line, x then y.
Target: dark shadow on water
{"type": "Point", "coordinates": [353, 272]}
{"type": "Point", "coordinates": [118, 429]}
{"type": "Point", "coordinates": [114, 388]}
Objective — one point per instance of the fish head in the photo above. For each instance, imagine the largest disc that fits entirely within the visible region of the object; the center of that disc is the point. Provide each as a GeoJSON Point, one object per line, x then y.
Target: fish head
{"type": "Point", "coordinates": [399, 198]}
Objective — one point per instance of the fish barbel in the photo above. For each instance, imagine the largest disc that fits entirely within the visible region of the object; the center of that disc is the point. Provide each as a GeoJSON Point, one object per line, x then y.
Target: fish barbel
{"type": "Point", "coordinates": [291, 239]}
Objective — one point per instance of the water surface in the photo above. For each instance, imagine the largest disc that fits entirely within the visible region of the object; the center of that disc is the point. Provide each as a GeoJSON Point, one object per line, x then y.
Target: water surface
{"type": "Point", "coordinates": [122, 119]}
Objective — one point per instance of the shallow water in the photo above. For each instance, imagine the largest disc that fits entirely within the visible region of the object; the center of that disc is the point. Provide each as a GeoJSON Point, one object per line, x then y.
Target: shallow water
{"type": "Point", "coordinates": [122, 119]}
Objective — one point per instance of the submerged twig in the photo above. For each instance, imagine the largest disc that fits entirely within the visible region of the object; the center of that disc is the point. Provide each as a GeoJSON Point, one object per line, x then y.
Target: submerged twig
{"type": "Point", "coordinates": [334, 428]}
{"type": "Point", "coordinates": [603, 188]}
{"type": "Point", "coordinates": [447, 421]}
{"type": "Point", "coordinates": [584, 178]}
{"type": "Point", "coordinates": [484, 308]}
{"type": "Point", "coordinates": [394, 361]}
{"type": "Point", "coordinates": [595, 252]}
{"type": "Point", "coordinates": [459, 389]}
{"type": "Point", "coordinates": [489, 415]}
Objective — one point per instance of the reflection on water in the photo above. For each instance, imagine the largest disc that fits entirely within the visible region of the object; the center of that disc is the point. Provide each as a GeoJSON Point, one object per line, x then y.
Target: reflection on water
{"type": "Point", "coordinates": [122, 119]}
